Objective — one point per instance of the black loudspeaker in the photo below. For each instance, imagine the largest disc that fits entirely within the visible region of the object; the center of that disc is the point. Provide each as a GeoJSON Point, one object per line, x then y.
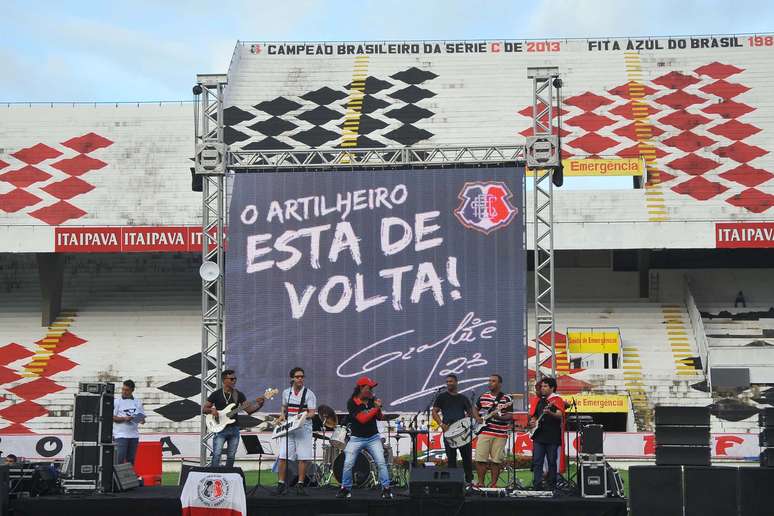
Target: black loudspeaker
{"type": "Point", "coordinates": [669, 415]}
{"type": "Point", "coordinates": [5, 480]}
{"type": "Point", "coordinates": [187, 468]}
{"type": "Point", "coordinates": [766, 417]}
{"type": "Point", "coordinates": [106, 418]}
{"type": "Point", "coordinates": [437, 483]}
{"type": "Point", "coordinates": [710, 491]}
{"type": "Point", "coordinates": [85, 462]}
{"type": "Point", "coordinates": [766, 437]}
{"type": "Point", "coordinates": [107, 459]}
{"type": "Point", "coordinates": [97, 387]}
{"type": "Point", "coordinates": [86, 418]}
{"type": "Point", "coordinates": [767, 458]}
{"type": "Point", "coordinates": [196, 181]}
{"type": "Point", "coordinates": [756, 496]}
{"type": "Point", "coordinates": [683, 435]}
{"type": "Point", "coordinates": [591, 439]}
{"type": "Point", "coordinates": [656, 490]}
{"type": "Point", "coordinates": [593, 480]}
{"type": "Point", "coordinates": [124, 477]}
{"type": "Point", "coordinates": [682, 455]}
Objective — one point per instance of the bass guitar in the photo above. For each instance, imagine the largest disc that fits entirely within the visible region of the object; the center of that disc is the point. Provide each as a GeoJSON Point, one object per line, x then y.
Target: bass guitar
{"type": "Point", "coordinates": [228, 415]}
{"type": "Point", "coordinates": [463, 431]}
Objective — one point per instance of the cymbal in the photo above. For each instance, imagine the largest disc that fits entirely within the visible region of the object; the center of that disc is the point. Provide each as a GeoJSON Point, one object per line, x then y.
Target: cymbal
{"type": "Point", "coordinates": [390, 417]}
{"type": "Point", "coordinates": [317, 435]}
{"type": "Point", "coordinates": [327, 416]}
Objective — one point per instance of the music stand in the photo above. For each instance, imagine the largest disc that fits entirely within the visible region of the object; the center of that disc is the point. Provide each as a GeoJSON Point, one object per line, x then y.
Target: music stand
{"type": "Point", "coordinates": [253, 447]}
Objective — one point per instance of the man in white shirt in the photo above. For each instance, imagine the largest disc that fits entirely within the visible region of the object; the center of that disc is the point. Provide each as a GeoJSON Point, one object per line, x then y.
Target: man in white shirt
{"type": "Point", "coordinates": [128, 414]}
{"type": "Point", "coordinates": [298, 444]}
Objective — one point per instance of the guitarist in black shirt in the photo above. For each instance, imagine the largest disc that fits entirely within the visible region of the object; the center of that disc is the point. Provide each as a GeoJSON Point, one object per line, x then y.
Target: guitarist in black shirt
{"type": "Point", "coordinates": [219, 400]}
{"type": "Point", "coordinates": [546, 422]}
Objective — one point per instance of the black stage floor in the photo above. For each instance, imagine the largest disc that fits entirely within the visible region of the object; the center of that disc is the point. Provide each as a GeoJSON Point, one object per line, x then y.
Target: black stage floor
{"type": "Point", "coordinates": [150, 501]}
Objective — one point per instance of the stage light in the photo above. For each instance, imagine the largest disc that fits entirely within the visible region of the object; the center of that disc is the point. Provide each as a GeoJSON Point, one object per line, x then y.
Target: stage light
{"type": "Point", "coordinates": [557, 82]}
{"type": "Point", "coordinates": [197, 89]}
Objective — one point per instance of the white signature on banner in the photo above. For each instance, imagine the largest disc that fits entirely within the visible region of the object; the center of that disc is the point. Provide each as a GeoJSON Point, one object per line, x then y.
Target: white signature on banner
{"type": "Point", "coordinates": [471, 329]}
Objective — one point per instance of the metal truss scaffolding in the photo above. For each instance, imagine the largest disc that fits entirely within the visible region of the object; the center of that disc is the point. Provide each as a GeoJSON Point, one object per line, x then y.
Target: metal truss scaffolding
{"type": "Point", "coordinates": [543, 87]}
{"type": "Point", "coordinates": [209, 160]}
{"type": "Point", "coordinates": [213, 159]}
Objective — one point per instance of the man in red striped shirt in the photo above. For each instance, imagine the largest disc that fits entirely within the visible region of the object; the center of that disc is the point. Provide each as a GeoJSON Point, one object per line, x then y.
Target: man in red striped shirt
{"type": "Point", "coordinates": [490, 447]}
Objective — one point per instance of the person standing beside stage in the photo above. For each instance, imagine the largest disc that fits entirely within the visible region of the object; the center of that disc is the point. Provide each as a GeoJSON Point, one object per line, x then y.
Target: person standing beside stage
{"type": "Point", "coordinates": [364, 411]}
{"type": "Point", "coordinates": [128, 414]}
{"type": "Point", "coordinates": [297, 445]}
{"type": "Point", "coordinates": [547, 439]}
{"type": "Point", "coordinates": [490, 447]}
{"type": "Point", "coordinates": [453, 407]}
{"type": "Point", "coordinates": [218, 401]}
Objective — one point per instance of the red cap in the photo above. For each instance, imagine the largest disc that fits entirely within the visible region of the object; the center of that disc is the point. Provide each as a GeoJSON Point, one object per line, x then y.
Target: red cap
{"type": "Point", "coordinates": [364, 380]}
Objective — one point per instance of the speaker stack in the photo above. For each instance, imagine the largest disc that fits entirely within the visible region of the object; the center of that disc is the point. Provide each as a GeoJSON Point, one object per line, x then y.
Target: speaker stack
{"type": "Point", "coordinates": [682, 436]}
{"type": "Point", "coordinates": [766, 436]}
{"type": "Point", "coordinates": [597, 478]}
{"type": "Point", "coordinates": [90, 467]}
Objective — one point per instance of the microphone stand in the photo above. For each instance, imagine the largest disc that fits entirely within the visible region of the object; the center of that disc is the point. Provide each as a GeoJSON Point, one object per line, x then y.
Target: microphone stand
{"type": "Point", "coordinates": [427, 415]}
{"type": "Point", "coordinates": [287, 440]}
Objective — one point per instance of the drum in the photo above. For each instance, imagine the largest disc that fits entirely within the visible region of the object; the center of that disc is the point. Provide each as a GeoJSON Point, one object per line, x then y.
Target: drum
{"type": "Point", "coordinates": [460, 432]}
{"type": "Point", "coordinates": [330, 453]}
{"type": "Point", "coordinates": [339, 437]}
{"type": "Point", "coordinates": [364, 472]}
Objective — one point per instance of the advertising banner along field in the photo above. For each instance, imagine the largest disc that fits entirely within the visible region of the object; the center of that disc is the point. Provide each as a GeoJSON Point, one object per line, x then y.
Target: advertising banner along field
{"type": "Point", "coordinates": [404, 276]}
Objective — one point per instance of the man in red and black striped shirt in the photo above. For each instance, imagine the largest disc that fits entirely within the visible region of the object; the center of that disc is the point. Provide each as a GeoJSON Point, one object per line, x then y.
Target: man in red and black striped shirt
{"type": "Point", "coordinates": [490, 447]}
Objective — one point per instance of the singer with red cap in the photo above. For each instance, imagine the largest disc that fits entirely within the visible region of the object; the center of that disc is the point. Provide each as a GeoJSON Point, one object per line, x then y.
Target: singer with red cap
{"type": "Point", "coordinates": [364, 411]}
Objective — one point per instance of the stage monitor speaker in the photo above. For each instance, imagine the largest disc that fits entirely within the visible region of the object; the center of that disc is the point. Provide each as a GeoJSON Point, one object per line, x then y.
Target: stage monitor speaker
{"type": "Point", "coordinates": [682, 455]}
{"type": "Point", "coordinates": [656, 490]}
{"type": "Point", "coordinates": [5, 481]}
{"type": "Point", "coordinates": [767, 459]}
{"type": "Point", "coordinates": [437, 483]}
{"type": "Point", "coordinates": [592, 440]}
{"type": "Point", "coordinates": [124, 477]}
{"type": "Point", "coordinates": [44, 480]}
{"type": "Point", "coordinates": [593, 480]}
{"type": "Point", "coordinates": [674, 415]}
{"type": "Point", "coordinates": [766, 417]}
{"type": "Point", "coordinates": [756, 496]}
{"type": "Point", "coordinates": [766, 437]}
{"type": "Point", "coordinates": [710, 491]}
{"type": "Point", "coordinates": [188, 468]}
{"type": "Point", "coordinates": [683, 435]}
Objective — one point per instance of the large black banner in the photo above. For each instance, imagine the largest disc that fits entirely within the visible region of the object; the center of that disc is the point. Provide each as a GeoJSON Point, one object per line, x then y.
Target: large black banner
{"type": "Point", "coordinates": [405, 276]}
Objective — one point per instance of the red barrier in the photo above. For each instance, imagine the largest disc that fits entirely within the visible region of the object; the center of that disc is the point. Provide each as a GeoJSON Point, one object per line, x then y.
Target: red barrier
{"type": "Point", "coordinates": [147, 463]}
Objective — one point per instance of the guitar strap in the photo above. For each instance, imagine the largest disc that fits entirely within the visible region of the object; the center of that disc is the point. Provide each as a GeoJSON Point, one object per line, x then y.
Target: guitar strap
{"type": "Point", "coordinates": [302, 403]}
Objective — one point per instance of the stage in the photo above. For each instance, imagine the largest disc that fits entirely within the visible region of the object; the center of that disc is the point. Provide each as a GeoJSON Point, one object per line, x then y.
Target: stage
{"type": "Point", "coordinates": [150, 501]}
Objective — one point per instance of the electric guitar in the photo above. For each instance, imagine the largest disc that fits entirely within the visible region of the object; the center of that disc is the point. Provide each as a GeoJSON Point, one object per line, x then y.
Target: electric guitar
{"type": "Point", "coordinates": [228, 415]}
{"type": "Point", "coordinates": [462, 432]}
{"type": "Point", "coordinates": [532, 431]}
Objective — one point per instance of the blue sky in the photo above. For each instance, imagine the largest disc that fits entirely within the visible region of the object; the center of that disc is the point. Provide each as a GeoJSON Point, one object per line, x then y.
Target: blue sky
{"type": "Point", "coordinates": [151, 50]}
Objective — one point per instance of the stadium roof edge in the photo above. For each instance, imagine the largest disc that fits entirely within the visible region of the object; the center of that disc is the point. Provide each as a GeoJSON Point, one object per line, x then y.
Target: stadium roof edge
{"type": "Point", "coordinates": [553, 38]}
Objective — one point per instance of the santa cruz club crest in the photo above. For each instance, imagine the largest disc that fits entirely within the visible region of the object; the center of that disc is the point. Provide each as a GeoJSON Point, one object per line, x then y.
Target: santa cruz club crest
{"type": "Point", "coordinates": [213, 490]}
{"type": "Point", "coordinates": [485, 206]}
